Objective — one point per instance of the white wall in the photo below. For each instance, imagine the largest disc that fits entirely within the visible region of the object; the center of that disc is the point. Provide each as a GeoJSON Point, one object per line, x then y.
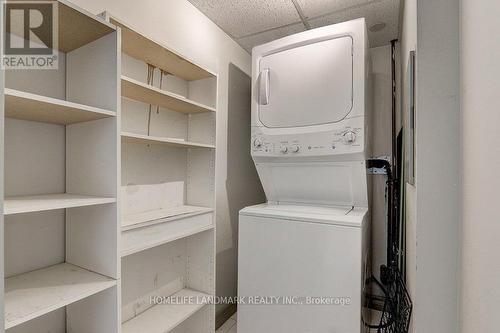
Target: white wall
{"type": "Point", "coordinates": [181, 26]}
{"type": "Point", "coordinates": [433, 205]}
{"type": "Point", "coordinates": [480, 54]}
{"type": "Point", "coordinates": [438, 160]}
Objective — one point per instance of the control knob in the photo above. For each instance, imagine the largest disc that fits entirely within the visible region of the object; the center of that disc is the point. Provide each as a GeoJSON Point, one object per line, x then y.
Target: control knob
{"type": "Point", "coordinates": [257, 143]}
{"type": "Point", "coordinates": [349, 137]}
{"type": "Point", "coordinates": [284, 149]}
{"type": "Point", "coordinates": [295, 148]}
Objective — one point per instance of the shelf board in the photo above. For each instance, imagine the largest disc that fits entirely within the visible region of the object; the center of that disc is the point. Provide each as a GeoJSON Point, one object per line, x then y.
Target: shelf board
{"type": "Point", "coordinates": [27, 106]}
{"type": "Point", "coordinates": [146, 93]}
{"type": "Point", "coordinates": [164, 318]}
{"type": "Point", "coordinates": [33, 294]}
{"type": "Point", "coordinates": [142, 238]}
{"type": "Point", "coordinates": [139, 46]}
{"type": "Point", "coordinates": [157, 216]}
{"type": "Point", "coordinates": [78, 27]}
{"type": "Point", "coordinates": [38, 203]}
{"type": "Point", "coordinates": [140, 138]}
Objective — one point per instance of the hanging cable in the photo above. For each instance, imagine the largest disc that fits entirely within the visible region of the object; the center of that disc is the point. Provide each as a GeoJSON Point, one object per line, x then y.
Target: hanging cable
{"type": "Point", "coordinates": [397, 307]}
{"type": "Point", "coordinates": [150, 81]}
{"type": "Point", "coordinates": [162, 73]}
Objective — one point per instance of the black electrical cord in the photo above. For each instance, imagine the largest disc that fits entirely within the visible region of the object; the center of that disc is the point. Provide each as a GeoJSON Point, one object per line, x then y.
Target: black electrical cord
{"type": "Point", "coordinates": [386, 304]}
{"type": "Point", "coordinates": [385, 278]}
{"type": "Point", "coordinates": [391, 216]}
{"type": "Point", "coordinates": [397, 307]}
{"type": "Point", "coordinates": [394, 207]}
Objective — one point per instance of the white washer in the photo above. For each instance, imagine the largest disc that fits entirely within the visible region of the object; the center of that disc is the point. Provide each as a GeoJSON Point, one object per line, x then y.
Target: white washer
{"type": "Point", "coordinates": [309, 144]}
{"type": "Point", "coordinates": [295, 252]}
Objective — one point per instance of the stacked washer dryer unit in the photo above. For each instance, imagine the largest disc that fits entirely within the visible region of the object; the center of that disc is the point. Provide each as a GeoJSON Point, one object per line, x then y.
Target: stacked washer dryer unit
{"type": "Point", "coordinates": [309, 243]}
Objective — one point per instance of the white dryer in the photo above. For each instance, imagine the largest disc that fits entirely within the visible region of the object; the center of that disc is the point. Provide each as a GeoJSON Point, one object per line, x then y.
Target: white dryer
{"type": "Point", "coordinates": [309, 242]}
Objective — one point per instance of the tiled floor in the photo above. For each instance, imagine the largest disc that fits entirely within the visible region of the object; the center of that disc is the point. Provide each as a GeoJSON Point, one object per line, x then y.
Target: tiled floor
{"type": "Point", "coordinates": [229, 326]}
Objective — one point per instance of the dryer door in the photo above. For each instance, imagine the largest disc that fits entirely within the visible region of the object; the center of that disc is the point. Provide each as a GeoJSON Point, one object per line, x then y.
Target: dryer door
{"type": "Point", "coordinates": [307, 85]}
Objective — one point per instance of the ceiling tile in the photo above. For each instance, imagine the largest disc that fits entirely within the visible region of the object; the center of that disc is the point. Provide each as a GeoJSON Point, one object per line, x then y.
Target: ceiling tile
{"type": "Point", "coordinates": [249, 42]}
{"type": "Point", "coordinates": [315, 8]}
{"type": "Point", "coordinates": [386, 11]}
{"type": "Point", "coordinates": [240, 18]}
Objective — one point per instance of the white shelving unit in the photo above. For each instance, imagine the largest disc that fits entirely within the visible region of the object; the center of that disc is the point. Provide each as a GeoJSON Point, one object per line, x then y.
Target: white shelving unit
{"type": "Point", "coordinates": [61, 182]}
{"type": "Point", "coordinates": [168, 126]}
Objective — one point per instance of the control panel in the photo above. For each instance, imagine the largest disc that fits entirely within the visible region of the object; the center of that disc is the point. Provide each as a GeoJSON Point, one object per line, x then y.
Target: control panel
{"type": "Point", "coordinates": [344, 141]}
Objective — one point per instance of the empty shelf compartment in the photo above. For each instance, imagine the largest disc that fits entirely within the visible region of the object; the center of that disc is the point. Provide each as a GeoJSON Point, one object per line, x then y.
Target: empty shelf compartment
{"type": "Point", "coordinates": [149, 51]}
{"type": "Point", "coordinates": [148, 94]}
{"type": "Point", "coordinates": [164, 318]}
{"type": "Point", "coordinates": [33, 294]}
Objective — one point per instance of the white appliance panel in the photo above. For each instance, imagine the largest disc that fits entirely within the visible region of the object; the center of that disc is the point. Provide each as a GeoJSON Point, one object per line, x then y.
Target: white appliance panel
{"type": "Point", "coordinates": [337, 184]}
{"type": "Point", "coordinates": [307, 85]}
{"type": "Point", "coordinates": [280, 257]}
{"type": "Point", "coordinates": [323, 178]}
{"type": "Point", "coordinates": [325, 183]}
{"type": "Point", "coordinates": [333, 143]}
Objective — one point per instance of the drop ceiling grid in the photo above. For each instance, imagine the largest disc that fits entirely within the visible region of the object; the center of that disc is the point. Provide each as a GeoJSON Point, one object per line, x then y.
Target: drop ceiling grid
{"type": "Point", "coordinates": [241, 18]}
{"type": "Point", "coordinates": [315, 8]}
{"type": "Point", "coordinates": [250, 41]}
{"type": "Point", "coordinates": [255, 22]}
{"type": "Point", "coordinates": [386, 11]}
